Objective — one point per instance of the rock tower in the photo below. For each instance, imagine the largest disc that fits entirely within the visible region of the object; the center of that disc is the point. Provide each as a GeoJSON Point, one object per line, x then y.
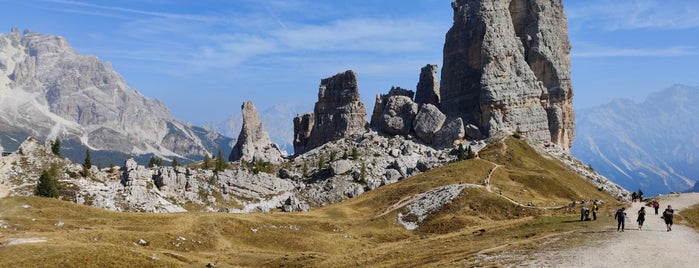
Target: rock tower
{"type": "Point", "coordinates": [507, 68]}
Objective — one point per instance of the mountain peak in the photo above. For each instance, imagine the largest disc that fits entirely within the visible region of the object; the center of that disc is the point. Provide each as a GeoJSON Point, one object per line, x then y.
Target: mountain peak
{"type": "Point", "coordinates": [49, 91]}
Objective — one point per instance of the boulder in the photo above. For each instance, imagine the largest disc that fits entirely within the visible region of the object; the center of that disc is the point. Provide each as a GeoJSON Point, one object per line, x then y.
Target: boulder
{"type": "Point", "coordinates": [382, 100]}
{"type": "Point", "coordinates": [450, 135]}
{"type": "Point", "coordinates": [397, 116]}
{"type": "Point", "coordinates": [473, 133]}
{"type": "Point", "coordinates": [341, 166]}
{"type": "Point", "coordinates": [428, 121]}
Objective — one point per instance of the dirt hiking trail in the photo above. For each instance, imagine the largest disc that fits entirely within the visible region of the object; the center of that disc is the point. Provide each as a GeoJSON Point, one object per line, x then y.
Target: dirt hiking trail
{"type": "Point", "coordinates": [653, 246]}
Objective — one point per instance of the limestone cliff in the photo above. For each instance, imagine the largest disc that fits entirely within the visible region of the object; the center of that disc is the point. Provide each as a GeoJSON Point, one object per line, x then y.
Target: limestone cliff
{"type": "Point", "coordinates": [507, 68]}
{"type": "Point", "coordinates": [339, 112]}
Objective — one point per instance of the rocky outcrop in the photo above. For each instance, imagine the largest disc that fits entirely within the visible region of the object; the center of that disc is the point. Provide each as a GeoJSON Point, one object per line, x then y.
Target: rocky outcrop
{"type": "Point", "coordinates": [253, 142]}
{"type": "Point", "coordinates": [339, 112]}
{"type": "Point", "coordinates": [506, 68]}
{"type": "Point", "coordinates": [427, 90]}
{"type": "Point", "coordinates": [303, 125]}
{"type": "Point", "coordinates": [397, 116]}
{"type": "Point", "coordinates": [382, 101]}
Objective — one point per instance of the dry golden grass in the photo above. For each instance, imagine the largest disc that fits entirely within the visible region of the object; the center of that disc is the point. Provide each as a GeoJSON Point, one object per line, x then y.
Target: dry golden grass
{"type": "Point", "coordinates": [359, 232]}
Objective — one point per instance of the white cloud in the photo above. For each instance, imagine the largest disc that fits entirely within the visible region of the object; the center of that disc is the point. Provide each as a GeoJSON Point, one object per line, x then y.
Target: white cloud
{"type": "Point", "coordinates": [635, 52]}
{"type": "Point", "coordinates": [635, 14]}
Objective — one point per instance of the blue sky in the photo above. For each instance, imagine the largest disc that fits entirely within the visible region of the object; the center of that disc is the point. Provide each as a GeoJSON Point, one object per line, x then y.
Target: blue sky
{"type": "Point", "coordinates": [204, 58]}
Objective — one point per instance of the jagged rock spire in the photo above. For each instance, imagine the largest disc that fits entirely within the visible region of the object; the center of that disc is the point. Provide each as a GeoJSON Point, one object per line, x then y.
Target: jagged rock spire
{"type": "Point", "coordinates": [253, 142]}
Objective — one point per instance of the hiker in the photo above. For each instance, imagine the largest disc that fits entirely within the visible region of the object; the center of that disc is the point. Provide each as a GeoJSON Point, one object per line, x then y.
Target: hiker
{"type": "Point", "coordinates": [641, 217]}
{"type": "Point", "coordinates": [595, 209]}
{"type": "Point", "coordinates": [656, 206]}
{"type": "Point", "coordinates": [639, 195]}
{"type": "Point", "coordinates": [620, 216]}
{"type": "Point", "coordinates": [584, 214]}
{"type": "Point", "coordinates": [633, 197]}
{"type": "Point", "coordinates": [667, 216]}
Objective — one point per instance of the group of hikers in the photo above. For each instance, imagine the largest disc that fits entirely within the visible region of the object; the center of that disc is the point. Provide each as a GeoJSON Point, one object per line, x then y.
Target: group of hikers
{"type": "Point", "coordinates": [620, 214]}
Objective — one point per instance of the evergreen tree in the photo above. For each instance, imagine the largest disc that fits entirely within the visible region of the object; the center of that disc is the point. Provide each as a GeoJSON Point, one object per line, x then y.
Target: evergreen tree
{"type": "Point", "coordinates": [207, 162]}
{"type": "Point", "coordinates": [87, 164]}
{"type": "Point", "coordinates": [153, 161]}
{"type": "Point", "coordinates": [462, 153]}
{"type": "Point", "coordinates": [221, 163]}
{"type": "Point", "coordinates": [304, 169]}
{"type": "Point", "coordinates": [355, 153]}
{"type": "Point", "coordinates": [174, 162]}
{"type": "Point", "coordinates": [321, 162]}
{"type": "Point", "coordinates": [333, 156]}
{"type": "Point", "coordinates": [48, 184]}
{"type": "Point", "coordinates": [56, 147]}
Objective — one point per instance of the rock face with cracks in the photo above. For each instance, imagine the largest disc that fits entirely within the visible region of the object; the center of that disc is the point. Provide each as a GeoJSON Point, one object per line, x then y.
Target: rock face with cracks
{"type": "Point", "coordinates": [339, 113]}
{"type": "Point", "coordinates": [507, 68]}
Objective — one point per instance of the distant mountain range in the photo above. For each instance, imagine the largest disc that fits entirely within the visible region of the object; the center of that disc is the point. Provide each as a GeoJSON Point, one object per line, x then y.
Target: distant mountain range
{"type": "Point", "coordinates": [652, 146]}
{"type": "Point", "coordinates": [48, 91]}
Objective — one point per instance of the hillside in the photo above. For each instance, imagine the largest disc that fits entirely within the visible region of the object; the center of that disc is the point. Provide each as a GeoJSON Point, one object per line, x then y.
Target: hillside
{"type": "Point", "coordinates": [363, 231]}
{"type": "Point", "coordinates": [650, 145]}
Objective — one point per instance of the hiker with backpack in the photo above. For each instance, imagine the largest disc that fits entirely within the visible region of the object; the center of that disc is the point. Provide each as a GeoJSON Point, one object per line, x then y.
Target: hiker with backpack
{"type": "Point", "coordinates": [667, 216]}
{"type": "Point", "coordinates": [595, 209]}
{"type": "Point", "coordinates": [641, 217]}
{"type": "Point", "coordinates": [620, 216]}
{"type": "Point", "coordinates": [656, 206]}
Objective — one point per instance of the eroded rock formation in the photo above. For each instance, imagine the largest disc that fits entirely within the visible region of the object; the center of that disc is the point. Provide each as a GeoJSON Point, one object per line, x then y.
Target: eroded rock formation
{"type": "Point", "coordinates": [427, 90]}
{"type": "Point", "coordinates": [339, 113]}
{"type": "Point", "coordinates": [253, 142]}
{"type": "Point", "coordinates": [507, 68]}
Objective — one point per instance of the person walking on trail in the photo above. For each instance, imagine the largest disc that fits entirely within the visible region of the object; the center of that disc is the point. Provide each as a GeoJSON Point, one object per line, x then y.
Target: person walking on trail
{"type": "Point", "coordinates": [595, 209]}
{"type": "Point", "coordinates": [620, 216]}
{"type": "Point", "coordinates": [641, 217]}
{"type": "Point", "coordinates": [633, 197]}
{"type": "Point", "coordinates": [667, 216]}
{"type": "Point", "coordinates": [656, 206]}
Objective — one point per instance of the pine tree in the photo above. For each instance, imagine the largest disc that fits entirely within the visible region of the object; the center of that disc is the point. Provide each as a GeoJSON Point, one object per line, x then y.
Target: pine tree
{"type": "Point", "coordinates": [304, 169]}
{"type": "Point", "coordinates": [56, 147]}
{"type": "Point", "coordinates": [152, 162]}
{"type": "Point", "coordinates": [221, 164]}
{"type": "Point", "coordinates": [462, 153]}
{"type": "Point", "coordinates": [48, 185]}
{"type": "Point", "coordinates": [207, 162]}
{"type": "Point", "coordinates": [174, 162]}
{"type": "Point", "coordinates": [355, 153]}
{"type": "Point", "coordinates": [87, 164]}
{"type": "Point", "coordinates": [321, 162]}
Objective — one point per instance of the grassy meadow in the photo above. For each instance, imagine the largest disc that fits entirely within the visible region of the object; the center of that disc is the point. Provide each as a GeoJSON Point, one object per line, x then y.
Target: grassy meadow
{"type": "Point", "coordinates": [363, 231]}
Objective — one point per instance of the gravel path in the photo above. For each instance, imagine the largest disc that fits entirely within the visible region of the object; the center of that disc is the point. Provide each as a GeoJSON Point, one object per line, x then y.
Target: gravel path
{"type": "Point", "coordinates": [653, 246]}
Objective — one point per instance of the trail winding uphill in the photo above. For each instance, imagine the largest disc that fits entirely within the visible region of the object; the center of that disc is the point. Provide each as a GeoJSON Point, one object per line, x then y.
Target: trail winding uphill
{"type": "Point", "coordinates": [653, 246]}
